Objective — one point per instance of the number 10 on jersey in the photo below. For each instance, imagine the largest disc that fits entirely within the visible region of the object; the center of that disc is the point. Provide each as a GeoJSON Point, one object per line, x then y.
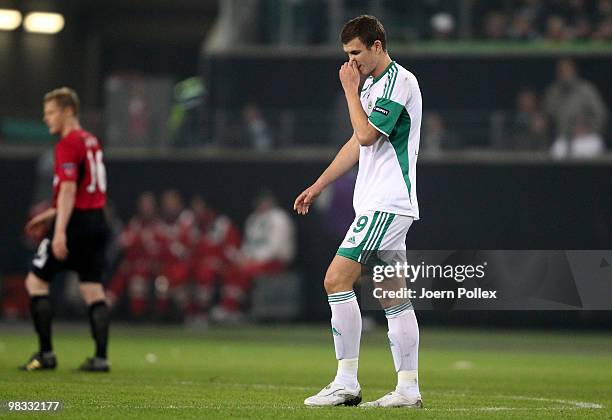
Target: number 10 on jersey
{"type": "Point", "coordinates": [97, 171]}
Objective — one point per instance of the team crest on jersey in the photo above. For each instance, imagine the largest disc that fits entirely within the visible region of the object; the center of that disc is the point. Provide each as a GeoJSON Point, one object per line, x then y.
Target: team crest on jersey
{"type": "Point", "coordinates": [69, 169]}
{"type": "Point", "coordinates": [369, 104]}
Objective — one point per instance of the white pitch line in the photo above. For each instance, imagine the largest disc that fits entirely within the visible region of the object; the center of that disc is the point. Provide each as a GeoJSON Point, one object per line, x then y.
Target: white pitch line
{"type": "Point", "coordinates": [260, 386]}
{"type": "Point", "coordinates": [568, 404]}
{"type": "Point", "coordinates": [291, 407]}
{"type": "Point", "coordinates": [200, 407]}
{"type": "Point", "coordinates": [577, 404]}
{"type": "Point", "coordinates": [505, 409]}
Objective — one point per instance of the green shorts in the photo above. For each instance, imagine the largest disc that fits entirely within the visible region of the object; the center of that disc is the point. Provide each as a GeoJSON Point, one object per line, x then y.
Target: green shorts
{"type": "Point", "coordinates": [376, 237]}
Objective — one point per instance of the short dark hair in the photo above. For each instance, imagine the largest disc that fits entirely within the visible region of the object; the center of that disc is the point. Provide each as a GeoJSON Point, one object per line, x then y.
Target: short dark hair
{"type": "Point", "coordinates": [365, 27]}
{"type": "Point", "coordinates": [65, 98]}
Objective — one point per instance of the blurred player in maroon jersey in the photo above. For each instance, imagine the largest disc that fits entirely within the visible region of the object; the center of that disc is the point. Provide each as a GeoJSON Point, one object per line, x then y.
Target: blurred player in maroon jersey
{"type": "Point", "coordinates": [78, 234]}
{"type": "Point", "coordinates": [217, 245]}
{"type": "Point", "coordinates": [140, 246]}
{"type": "Point", "coordinates": [178, 234]}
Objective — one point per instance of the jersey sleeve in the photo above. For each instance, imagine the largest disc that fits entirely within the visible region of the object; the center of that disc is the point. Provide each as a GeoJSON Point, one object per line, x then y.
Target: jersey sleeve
{"type": "Point", "coordinates": [389, 107]}
{"type": "Point", "coordinates": [67, 159]}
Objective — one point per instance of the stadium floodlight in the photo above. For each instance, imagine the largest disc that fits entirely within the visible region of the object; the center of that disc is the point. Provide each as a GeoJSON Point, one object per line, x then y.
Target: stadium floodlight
{"type": "Point", "coordinates": [9, 19]}
{"type": "Point", "coordinates": [43, 23]}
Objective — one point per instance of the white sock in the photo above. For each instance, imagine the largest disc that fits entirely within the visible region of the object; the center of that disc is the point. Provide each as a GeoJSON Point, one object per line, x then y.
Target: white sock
{"type": "Point", "coordinates": [346, 330]}
{"type": "Point", "coordinates": [347, 373]}
{"type": "Point", "coordinates": [404, 340]}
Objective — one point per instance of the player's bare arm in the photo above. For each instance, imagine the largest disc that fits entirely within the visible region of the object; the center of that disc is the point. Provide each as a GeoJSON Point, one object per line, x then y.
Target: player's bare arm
{"type": "Point", "coordinates": [365, 134]}
{"type": "Point", "coordinates": [39, 221]}
{"type": "Point", "coordinates": [65, 204]}
{"type": "Point", "coordinates": [346, 158]}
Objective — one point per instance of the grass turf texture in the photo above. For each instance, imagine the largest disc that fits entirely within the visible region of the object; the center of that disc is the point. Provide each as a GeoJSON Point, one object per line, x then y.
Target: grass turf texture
{"type": "Point", "coordinates": [266, 372]}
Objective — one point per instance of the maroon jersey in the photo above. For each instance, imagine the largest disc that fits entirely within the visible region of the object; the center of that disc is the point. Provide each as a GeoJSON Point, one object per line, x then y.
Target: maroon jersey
{"type": "Point", "coordinates": [218, 239]}
{"type": "Point", "coordinates": [78, 158]}
{"type": "Point", "coordinates": [177, 238]}
{"type": "Point", "coordinates": [140, 240]}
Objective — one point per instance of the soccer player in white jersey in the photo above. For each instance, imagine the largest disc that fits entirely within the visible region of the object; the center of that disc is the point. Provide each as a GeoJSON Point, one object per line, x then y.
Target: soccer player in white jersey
{"type": "Point", "coordinates": [386, 118]}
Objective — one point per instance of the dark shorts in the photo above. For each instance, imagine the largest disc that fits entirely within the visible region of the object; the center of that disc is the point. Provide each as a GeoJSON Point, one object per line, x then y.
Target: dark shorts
{"type": "Point", "coordinates": [87, 235]}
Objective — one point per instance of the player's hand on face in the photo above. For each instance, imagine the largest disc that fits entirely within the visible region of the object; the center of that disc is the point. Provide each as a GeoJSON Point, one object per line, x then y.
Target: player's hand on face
{"type": "Point", "coordinates": [350, 77]}
{"type": "Point", "coordinates": [59, 247]}
{"type": "Point", "coordinates": [305, 199]}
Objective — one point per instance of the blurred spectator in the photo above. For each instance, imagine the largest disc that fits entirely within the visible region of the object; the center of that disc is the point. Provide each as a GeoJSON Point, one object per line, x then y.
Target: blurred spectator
{"type": "Point", "coordinates": [178, 237]}
{"type": "Point", "coordinates": [522, 29]}
{"type": "Point", "coordinates": [529, 126]}
{"type": "Point", "coordinates": [532, 10]}
{"type": "Point", "coordinates": [521, 20]}
{"type": "Point", "coordinates": [186, 119]}
{"type": "Point", "coordinates": [583, 144]}
{"type": "Point", "coordinates": [14, 300]}
{"type": "Point", "coordinates": [496, 26]}
{"type": "Point", "coordinates": [216, 246]}
{"type": "Point", "coordinates": [436, 136]}
{"type": "Point", "coordinates": [137, 109]}
{"type": "Point", "coordinates": [256, 129]}
{"type": "Point", "coordinates": [581, 29]}
{"type": "Point", "coordinates": [603, 21]}
{"type": "Point", "coordinates": [605, 6]}
{"type": "Point", "coordinates": [579, 19]}
{"type": "Point", "coordinates": [603, 32]}
{"type": "Point", "coordinates": [138, 113]}
{"type": "Point", "coordinates": [604, 10]}
{"type": "Point", "coordinates": [555, 21]}
{"type": "Point", "coordinates": [268, 248]}
{"type": "Point", "coordinates": [556, 30]}
{"type": "Point", "coordinates": [141, 249]}
{"type": "Point", "coordinates": [576, 109]}
{"type": "Point", "coordinates": [442, 26]}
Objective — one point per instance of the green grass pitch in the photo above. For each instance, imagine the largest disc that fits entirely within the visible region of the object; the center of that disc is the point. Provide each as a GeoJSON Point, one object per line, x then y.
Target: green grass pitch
{"type": "Point", "coordinates": [266, 372]}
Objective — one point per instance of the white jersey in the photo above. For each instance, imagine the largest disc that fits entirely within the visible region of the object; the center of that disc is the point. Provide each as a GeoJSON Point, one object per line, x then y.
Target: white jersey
{"type": "Point", "coordinates": [387, 169]}
{"type": "Point", "coordinates": [269, 236]}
